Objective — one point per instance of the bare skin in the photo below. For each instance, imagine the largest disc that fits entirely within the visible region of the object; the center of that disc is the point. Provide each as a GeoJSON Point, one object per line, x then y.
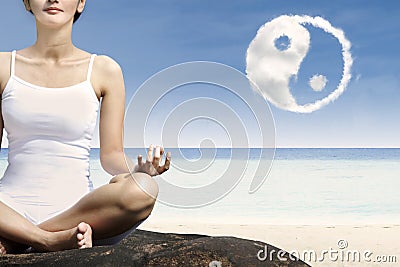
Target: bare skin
{"type": "Point", "coordinates": [113, 208]}
{"type": "Point", "coordinates": [110, 210]}
{"type": "Point", "coordinates": [14, 235]}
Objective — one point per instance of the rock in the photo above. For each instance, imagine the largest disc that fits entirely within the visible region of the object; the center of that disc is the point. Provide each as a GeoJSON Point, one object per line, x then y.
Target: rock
{"type": "Point", "coordinates": [144, 248]}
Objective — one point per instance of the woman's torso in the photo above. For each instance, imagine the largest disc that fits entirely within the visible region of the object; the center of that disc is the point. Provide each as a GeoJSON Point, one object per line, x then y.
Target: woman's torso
{"type": "Point", "coordinates": [49, 131]}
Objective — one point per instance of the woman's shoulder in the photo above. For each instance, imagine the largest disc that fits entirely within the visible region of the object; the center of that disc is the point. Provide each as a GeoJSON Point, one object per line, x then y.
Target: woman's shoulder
{"type": "Point", "coordinates": [107, 74]}
{"type": "Point", "coordinates": [107, 71]}
{"type": "Point", "coordinates": [5, 59]}
{"type": "Point", "coordinates": [5, 68]}
{"type": "Point", "coordinates": [3, 54]}
{"type": "Point", "coordinates": [106, 65]}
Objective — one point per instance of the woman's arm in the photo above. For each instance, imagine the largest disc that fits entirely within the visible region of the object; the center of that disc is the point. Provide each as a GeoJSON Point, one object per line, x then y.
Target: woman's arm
{"type": "Point", "coordinates": [109, 79]}
{"type": "Point", "coordinates": [1, 124]}
{"type": "Point", "coordinates": [5, 60]}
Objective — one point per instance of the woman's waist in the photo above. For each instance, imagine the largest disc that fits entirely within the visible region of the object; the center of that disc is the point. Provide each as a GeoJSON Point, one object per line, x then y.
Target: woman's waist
{"type": "Point", "coordinates": [47, 161]}
{"type": "Point", "coordinates": [36, 150]}
{"type": "Point", "coordinates": [45, 171]}
{"type": "Point", "coordinates": [44, 194]}
{"type": "Point", "coordinates": [36, 182]}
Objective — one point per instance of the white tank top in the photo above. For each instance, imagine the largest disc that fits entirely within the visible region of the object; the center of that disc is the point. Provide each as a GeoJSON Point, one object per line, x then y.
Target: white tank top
{"type": "Point", "coordinates": [49, 133]}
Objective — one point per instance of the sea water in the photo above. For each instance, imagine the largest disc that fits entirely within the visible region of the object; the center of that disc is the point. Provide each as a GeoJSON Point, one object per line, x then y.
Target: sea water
{"type": "Point", "coordinates": [303, 186]}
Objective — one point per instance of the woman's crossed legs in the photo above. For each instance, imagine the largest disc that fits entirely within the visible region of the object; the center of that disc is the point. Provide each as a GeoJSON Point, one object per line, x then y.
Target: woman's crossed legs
{"type": "Point", "coordinates": [106, 212]}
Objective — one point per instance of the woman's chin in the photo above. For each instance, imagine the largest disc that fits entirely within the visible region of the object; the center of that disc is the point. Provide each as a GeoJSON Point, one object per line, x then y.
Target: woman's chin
{"type": "Point", "coordinates": [54, 23]}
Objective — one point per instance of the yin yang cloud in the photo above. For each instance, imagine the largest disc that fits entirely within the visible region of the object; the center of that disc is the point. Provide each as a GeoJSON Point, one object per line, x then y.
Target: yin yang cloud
{"type": "Point", "coordinates": [270, 69]}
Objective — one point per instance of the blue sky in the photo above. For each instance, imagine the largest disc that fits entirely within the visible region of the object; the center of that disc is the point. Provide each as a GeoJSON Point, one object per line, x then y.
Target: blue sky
{"type": "Point", "coordinates": [146, 37]}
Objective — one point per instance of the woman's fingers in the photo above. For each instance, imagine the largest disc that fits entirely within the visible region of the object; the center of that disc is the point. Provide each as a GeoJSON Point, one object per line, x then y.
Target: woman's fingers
{"type": "Point", "coordinates": [156, 160]}
{"type": "Point", "coordinates": [150, 154]}
{"type": "Point", "coordinates": [157, 155]}
{"type": "Point", "coordinates": [165, 167]}
{"type": "Point", "coordinates": [140, 160]}
{"type": "Point", "coordinates": [167, 161]}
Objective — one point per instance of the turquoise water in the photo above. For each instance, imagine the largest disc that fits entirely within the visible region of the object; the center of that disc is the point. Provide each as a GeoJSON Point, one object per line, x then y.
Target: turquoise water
{"type": "Point", "coordinates": [304, 186]}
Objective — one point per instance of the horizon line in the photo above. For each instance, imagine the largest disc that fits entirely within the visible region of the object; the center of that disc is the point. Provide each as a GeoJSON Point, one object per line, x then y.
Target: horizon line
{"type": "Point", "coordinates": [282, 147]}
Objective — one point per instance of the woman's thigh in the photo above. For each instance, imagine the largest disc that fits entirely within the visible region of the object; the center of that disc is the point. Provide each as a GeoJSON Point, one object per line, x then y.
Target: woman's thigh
{"type": "Point", "coordinates": [112, 210]}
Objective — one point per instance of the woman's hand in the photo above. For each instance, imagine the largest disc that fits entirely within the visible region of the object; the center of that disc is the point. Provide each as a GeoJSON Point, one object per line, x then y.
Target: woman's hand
{"type": "Point", "coordinates": [152, 165]}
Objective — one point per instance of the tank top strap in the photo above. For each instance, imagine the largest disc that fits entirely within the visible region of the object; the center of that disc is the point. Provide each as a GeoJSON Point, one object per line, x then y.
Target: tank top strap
{"type": "Point", "coordinates": [89, 74]}
{"type": "Point", "coordinates": [13, 54]}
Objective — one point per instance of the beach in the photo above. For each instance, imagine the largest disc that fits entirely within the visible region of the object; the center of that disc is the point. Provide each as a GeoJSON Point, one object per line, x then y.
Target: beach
{"type": "Point", "coordinates": [311, 199]}
{"type": "Point", "coordinates": [329, 207]}
{"type": "Point", "coordinates": [371, 243]}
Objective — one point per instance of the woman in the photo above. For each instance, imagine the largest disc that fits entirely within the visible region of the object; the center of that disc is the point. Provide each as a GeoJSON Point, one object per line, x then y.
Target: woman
{"type": "Point", "coordinates": [50, 95]}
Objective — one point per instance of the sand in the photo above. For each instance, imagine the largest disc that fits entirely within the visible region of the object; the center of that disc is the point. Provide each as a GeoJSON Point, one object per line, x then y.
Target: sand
{"type": "Point", "coordinates": [344, 245]}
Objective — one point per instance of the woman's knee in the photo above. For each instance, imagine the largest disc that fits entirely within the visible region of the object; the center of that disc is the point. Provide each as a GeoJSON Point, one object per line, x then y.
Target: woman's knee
{"type": "Point", "coordinates": [138, 193]}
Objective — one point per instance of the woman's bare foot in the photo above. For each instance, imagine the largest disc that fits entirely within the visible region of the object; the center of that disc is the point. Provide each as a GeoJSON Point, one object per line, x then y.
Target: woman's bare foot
{"type": "Point", "coordinates": [77, 237]}
{"type": "Point", "coordinates": [3, 250]}
{"type": "Point", "coordinates": [84, 235]}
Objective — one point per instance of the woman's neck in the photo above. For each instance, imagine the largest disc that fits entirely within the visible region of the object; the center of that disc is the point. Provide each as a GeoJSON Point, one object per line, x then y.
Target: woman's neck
{"type": "Point", "coordinates": [54, 44]}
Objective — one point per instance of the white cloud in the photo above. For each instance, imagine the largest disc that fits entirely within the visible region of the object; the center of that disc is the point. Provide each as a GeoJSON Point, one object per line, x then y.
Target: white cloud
{"type": "Point", "coordinates": [270, 69]}
{"type": "Point", "coordinates": [318, 82]}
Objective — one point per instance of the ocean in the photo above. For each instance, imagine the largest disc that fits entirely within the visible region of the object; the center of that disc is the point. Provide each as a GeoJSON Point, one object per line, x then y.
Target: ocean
{"type": "Point", "coordinates": [304, 186]}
